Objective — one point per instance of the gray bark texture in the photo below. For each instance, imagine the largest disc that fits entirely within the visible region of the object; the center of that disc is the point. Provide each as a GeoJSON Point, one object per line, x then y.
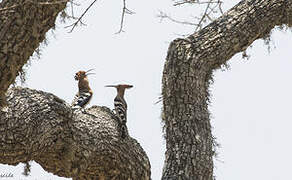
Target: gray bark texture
{"type": "Point", "coordinates": [187, 75]}
{"type": "Point", "coordinates": [86, 145]}
{"type": "Point", "coordinates": [83, 145]}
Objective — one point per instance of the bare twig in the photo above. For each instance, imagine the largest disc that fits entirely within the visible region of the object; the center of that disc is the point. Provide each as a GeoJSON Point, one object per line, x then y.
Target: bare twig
{"type": "Point", "coordinates": [80, 18]}
{"type": "Point", "coordinates": [163, 15]}
{"type": "Point", "coordinates": [212, 7]}
{"type": "Point", "coordinates": [203, 18]}
{"type": "Point", "coordinates": [124, 12]}
{"type": "Point", "coordinates": [195, 2]}
{"type": "Point", "coordinates": [220, 7]}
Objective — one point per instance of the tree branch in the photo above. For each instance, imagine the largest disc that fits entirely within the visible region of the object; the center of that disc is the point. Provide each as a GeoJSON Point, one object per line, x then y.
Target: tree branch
{"type": "Point", "coordinates": [187, 75]}
{"type": "Point", "coordinates": [163, 15]}
{"type": "Point", "coordinates": [234, 31]}
{"type": "Point", "coordinates": [197, 2]}
{"type": "Point", "coordinates": [41, 127]}
{"type": "Point", "coordinates": [80, 18]}
{"type": "Point", "coordinates": [212, 8]}
{"type": "Point", "coordinates": [23, 25]}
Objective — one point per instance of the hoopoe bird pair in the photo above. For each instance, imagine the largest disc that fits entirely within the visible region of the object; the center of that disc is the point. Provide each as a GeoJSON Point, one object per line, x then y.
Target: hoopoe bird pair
{"type": "Point", "coordinates": [85, 93]}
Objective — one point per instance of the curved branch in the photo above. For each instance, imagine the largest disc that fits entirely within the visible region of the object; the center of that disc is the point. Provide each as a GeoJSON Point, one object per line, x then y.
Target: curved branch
{"type": "Point", "coordinates": [41, 127]}
{"type": "Point", "coordinates": [188, 73]}
{"type": "Point", "coordinates": [238, 28]}
{"type": "Point", "coordinates": [23, 25]}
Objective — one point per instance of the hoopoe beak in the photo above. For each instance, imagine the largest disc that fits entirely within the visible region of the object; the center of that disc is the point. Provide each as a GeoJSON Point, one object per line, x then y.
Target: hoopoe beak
{"type": "Point", "coordinates": [89, 74]}
{"type": "Point", "coordinates": [110, 86]}
{"type": "Point", "coordinates": [89, 70]}
{"type": "Point", "coordinates": [86, 73]}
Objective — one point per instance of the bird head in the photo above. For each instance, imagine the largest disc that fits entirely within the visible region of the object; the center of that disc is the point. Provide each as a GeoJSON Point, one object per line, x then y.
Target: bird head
{"type": "Point", "coordinates": [120, 86]}
{"type": "Point", "coordinates": [82, 74]}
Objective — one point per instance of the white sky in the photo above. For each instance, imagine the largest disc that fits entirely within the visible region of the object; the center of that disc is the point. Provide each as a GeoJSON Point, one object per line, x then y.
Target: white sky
{"type": "Point", "coordinates": [250, 102]}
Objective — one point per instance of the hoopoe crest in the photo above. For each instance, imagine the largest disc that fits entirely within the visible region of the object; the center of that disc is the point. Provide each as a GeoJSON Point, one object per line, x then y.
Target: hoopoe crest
{"type": "Point", "coordinates": [84, 95]}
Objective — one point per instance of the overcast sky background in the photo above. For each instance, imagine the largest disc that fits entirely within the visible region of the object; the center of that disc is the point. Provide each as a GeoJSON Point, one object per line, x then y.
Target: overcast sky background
{"type": "Point", "coordinates": [251, 102]}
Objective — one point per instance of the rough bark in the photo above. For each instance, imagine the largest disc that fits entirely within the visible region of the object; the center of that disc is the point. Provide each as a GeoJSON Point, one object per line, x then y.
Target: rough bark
{"type": "Point", "coordinates": [83, 145]}
{"type": "Point", "coordinates": [23, 25]}
{"type": "Point", "coordinates": [39, 126]}
{"type": "Point", "coordinates": [188, 73]}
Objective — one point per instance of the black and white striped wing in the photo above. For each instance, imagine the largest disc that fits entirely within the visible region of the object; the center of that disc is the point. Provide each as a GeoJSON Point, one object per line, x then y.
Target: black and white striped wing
{"type": "Point", "coordinates": [121, 109]}
{"type": "Point", "coordinates": [82, 99]}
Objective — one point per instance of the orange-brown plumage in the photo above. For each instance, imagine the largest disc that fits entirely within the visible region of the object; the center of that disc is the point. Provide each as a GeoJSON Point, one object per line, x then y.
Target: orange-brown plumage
{"type": "Point", "coordinates": [83, 83]}
{"type": "Point", "coordinates": [85, 93]}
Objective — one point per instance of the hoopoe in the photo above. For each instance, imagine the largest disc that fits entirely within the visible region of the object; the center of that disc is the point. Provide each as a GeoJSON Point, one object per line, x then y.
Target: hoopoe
{"type": "Point", "coordinates": [84, 94]}
{"type": "Point", "coordinates": [121, 106]}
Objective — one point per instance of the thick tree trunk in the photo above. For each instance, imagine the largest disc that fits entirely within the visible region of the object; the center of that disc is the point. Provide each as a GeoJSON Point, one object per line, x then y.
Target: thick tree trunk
{"type": "Point", "coordinates": [23, 25]}
{"type": "Point", "coordinates": [188, 73]}
{"type": "Point", "coordinates": [41, 127]}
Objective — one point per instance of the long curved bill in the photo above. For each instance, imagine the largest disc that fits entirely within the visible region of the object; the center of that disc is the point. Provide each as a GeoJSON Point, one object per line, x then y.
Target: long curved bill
{"type": "Point", "coordinates": [110, 86]}
{"type": "Point", "coordinates": [89, 71]}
